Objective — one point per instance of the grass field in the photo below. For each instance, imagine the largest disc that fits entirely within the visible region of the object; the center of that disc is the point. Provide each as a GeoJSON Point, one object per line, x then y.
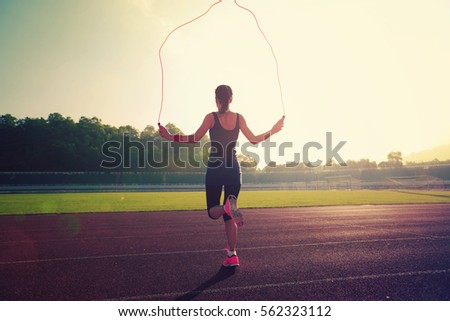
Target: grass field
{"type": "Point", "coordinates": [165, 201]}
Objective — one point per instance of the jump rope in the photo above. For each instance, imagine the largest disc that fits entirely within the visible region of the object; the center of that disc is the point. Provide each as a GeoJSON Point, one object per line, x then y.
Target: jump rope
{"type": "Point", "coordinates": [192, 20]}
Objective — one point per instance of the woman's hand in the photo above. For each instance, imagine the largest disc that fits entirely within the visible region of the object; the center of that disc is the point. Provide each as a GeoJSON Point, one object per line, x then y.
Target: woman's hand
{"type": "Point", "coordinates": [164, 133]}
{"type": "Point", "coordinates": [278, 126]}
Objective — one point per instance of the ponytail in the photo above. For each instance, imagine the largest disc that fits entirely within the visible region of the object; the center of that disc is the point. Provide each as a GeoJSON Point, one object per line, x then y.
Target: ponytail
{"type": "Point", "coordinates": [223, 95]}
{"type": "Point", "coordinates": [223, 106]}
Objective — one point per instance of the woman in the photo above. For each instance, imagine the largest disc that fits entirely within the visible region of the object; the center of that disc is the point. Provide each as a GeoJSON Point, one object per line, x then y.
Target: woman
{"type": "Point", "coordinates": [223, 168]}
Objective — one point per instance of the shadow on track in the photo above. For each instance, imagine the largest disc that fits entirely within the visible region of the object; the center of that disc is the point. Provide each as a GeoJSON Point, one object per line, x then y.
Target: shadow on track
{"type": "Point", "coordinates": [221, 275]}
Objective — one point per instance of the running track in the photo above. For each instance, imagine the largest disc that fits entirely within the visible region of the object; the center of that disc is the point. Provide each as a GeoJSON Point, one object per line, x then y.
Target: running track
{"type": "Point", "coordinates": [398, 252]}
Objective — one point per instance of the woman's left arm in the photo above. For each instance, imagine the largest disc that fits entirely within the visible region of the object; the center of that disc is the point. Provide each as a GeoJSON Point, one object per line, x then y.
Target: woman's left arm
{"type": "Point", "coordinates": [255, 139]}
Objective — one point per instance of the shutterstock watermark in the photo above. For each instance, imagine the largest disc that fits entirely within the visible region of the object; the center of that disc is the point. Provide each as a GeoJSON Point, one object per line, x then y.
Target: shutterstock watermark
{"type": "Point", "coordinates": [163, 154]}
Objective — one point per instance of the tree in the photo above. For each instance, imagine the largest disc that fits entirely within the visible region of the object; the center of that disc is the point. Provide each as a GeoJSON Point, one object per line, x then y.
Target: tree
{"type": "Point", "coordinates": [247, 163]}
{"type": "Point", "coordinates": [129, 131]}
{"type": "Point", "coordinates": [7, 121]}
{"type": "Point", "coordinates": [395, 159]}
{"type": "Point", "coordinates": [8, 141]}
{"type": "Point", "coordinates": [362, 163]}
{"type": "Point", "coordinates": [270, 167]}
{"type": "Point", "coordinates": [149, 133]}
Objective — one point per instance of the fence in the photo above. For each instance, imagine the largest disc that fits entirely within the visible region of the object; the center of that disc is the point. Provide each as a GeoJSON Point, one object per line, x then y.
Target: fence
{"type": "Point", "coordinates": [437, 177]}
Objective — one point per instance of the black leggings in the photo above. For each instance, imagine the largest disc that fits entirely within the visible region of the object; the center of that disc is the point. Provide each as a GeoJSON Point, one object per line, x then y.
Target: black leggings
{"type": "Point", "coordinates": [213, 193]}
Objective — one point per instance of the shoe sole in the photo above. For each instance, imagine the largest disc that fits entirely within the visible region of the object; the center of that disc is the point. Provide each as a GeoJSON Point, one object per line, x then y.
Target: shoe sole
{"type": "Point", "coordinates": [230, 265]}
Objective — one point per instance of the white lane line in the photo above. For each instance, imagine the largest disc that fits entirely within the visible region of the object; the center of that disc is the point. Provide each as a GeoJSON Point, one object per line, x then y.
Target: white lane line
{"type": "Point", "coordinates": [79, 258]}
{"type": "Point", "coordinates": [106, 238]}
{"type": "Point", "coordinates": [278, 285]}
{"type": "Point", "coordinates": [303, 228]}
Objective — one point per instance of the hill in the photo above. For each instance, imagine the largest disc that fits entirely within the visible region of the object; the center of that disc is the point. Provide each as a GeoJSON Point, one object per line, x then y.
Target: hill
{"type": "Point", "coordinates": [441, 153]}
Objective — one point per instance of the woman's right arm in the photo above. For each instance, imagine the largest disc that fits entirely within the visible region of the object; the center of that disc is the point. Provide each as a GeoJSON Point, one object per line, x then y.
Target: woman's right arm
{"type": "Point", "coordinates": [255, 139]}
{"type": "Point", "coordinates": [207, 123]}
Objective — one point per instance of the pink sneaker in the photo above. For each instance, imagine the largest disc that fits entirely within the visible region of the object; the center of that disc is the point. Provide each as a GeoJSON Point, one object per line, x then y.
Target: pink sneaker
{"type": "Point", "coordinates": [231, 261]}
{"type": "Point", "coordinates": [232, 210]}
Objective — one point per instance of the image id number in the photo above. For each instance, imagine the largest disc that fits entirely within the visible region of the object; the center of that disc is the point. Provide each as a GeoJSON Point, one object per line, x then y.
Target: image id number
{"type": "Point", "coordinates": [295, 311]}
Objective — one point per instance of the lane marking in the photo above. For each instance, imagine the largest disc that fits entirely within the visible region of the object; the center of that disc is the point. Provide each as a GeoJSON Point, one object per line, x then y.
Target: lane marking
{"type": "Point", "coordinates": [258, 230]}
{"type": "Point", "coordinates": [79, 258]}
{"type": "Point", "coordinates": [375, 227]}
{"type": "Point", "coordinates": [284, 284]}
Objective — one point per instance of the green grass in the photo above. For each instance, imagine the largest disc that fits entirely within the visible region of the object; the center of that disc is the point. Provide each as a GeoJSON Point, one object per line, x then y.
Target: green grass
{"type": "Point", "coordinates": [158, 201]}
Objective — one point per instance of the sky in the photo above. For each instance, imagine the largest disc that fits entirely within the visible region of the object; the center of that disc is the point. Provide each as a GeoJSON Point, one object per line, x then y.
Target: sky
{"type": "Point", "coordinates": [375, 74]}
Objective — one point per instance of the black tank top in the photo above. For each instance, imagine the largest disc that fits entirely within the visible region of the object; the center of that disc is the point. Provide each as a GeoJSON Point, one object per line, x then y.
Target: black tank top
{"type": "Point", "coordinates": [223, 141]}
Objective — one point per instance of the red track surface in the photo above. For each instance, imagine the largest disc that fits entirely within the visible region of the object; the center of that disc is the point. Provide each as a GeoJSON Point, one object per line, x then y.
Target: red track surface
{"type": "Point", "coordinates": [399, 252]}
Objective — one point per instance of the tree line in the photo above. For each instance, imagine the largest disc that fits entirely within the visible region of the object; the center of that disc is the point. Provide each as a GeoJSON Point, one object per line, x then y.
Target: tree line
{"type": "Point", "coordinates": [59, 144]}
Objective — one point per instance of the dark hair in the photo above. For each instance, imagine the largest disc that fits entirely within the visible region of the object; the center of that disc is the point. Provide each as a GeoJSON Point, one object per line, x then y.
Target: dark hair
{"type": "Point", "coordinates": [223, 94]}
